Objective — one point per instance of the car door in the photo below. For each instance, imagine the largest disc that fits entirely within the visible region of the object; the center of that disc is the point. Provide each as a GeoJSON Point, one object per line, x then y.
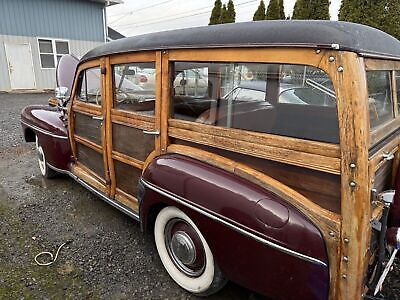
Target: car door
{"type": "Point", "coordinates": [87, 127]}
{"type": "Point", "coordinates": [133, 132]}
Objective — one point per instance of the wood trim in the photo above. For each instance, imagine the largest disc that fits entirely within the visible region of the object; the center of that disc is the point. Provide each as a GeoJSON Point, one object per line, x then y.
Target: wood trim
{"type": "Point", "coordinates": [127, 200]}
{"type": "Point", "coordinates": [376, 160]}
{"type": "Point", "coordinates": [383, 131]}
{"type": "Point", "coordinates": [159, 81]}
{"type": "Point", "coordinates": [136, 57]}
{"type": "Point", "coordinates": [133, 123]}
{"type": "Point", "coordinates": [372, 64]}
{"type": "Point", "coordinates": [297, 158]}
{"type": "Point", "coordinates": [87, 108]}
{"type": "Point", "coordinates": [104, 136]}
{"type": "Point", "coordinates": [328, 222]}
{"type": "Point", "coordinates": [165, 101]}
{"type": "Point", "coordinates": [149, 159]}
{"type": "Point", "coordinates": [353, 114]}
{"type": "Point", "coordinates": [89, 177]}
{"type": "Point", "coordinates": [394, 94]}
{"type": "Point", "coordinates": [127, 159]}
{"type": "Point", "coordinates": [312, 147]}
{"type": "Point", "coordinates": [88, 143]}
{"type": "Point", "coordinates": [270, 55]}
{"type": "Point", "coordinates": [130, 115]}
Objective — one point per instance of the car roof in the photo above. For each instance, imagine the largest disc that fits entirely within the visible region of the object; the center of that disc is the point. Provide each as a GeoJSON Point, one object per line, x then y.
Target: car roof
{"type": "Point", "coordinates": [364, 40]}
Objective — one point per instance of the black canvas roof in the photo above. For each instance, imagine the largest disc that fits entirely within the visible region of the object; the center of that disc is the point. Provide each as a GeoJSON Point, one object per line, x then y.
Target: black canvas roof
{"type": "Point", "coordinates": [353, 37]}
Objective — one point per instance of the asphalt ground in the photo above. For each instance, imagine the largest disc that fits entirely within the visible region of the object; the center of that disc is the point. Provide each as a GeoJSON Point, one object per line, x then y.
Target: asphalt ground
{"type": "Point", "coordinates": [108, 258]}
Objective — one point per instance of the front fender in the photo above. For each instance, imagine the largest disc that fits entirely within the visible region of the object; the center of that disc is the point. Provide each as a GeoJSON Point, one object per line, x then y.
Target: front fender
{"type": "Point", "coordinates": [242, 223]}
{"type": "Point", "coordinates": [46, 123]}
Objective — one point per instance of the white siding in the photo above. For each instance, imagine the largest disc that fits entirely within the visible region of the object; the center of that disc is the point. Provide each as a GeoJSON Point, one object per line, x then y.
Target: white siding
{"type": "Point", "coordinates": [45, 78]}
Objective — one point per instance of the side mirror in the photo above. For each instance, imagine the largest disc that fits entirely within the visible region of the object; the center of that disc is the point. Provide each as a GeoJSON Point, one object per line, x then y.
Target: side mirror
{"type": "Point", "coordinates": [61, 92]}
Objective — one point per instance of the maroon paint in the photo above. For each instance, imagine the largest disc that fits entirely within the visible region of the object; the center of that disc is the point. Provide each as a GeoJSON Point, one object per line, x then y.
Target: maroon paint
{"type": "Point", "coordinates": [394, 212]}
{"type": "Point", "coordinates": [391, 237]}
{"type": "Point", "coordinates": [236, 200]}
{"type": "Point", "coordinates": [57, 150]}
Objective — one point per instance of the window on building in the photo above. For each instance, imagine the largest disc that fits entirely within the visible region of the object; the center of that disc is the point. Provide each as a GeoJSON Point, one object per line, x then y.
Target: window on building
{"type": "Point", "coordinates": [51, 51]}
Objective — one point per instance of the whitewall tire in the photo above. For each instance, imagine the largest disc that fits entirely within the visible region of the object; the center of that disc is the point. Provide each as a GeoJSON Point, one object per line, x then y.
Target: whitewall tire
{"type": "Point", "coordinates": [185, 253]}
{"type": "Point", "coordinates": [44, 168]}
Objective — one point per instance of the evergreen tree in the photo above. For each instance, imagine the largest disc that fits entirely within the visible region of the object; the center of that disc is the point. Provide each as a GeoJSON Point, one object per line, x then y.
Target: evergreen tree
{"type": "Point", "coordinates": [391, 22]}
{"type": "Point", "coordinates": [224, 15]}
{"type": "Point", "coordinates": [231, 12]}
{"type": "Point", "coordinates": [273, 12]}
{"type": "Point", "coordinates": [260, 12]}
{"type": "Point", "coordinates": [370, 12]}
{"type": "Point", "coordinates": [281, 10]}
{"type": "Point", "coordinates": [301, 10]}
{"type": "Point", "coordinates": [311, 10]}
{"type": "Point", "coordinates": [216, 13]}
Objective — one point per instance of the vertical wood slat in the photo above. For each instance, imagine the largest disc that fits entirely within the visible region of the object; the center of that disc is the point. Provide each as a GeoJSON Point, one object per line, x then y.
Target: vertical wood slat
{"type": "Point", "coordinates": [109, 103]}
{"type": "Point", "coordinates": [165, 101]}
{"type": "Point", "coordinates": [356, 209]}
{"type": "Point", "coordinates": [159, 82]}
{"type": "Point", "coordinates": [394, 94]}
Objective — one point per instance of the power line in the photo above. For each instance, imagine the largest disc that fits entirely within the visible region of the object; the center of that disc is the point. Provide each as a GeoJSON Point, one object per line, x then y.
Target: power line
{"type": "Point", "coordinates": [125, 14]}
{"type": "Point", "coordinates": [176, 17]}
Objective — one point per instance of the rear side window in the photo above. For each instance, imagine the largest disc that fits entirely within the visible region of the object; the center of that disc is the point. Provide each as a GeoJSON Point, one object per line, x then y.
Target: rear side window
{"type": "Point", "coordinates": [90, 86]}
{"type": "Point", "coordinates": [289, 100]}
{"type": "Point", "coordinates": [380, 100]}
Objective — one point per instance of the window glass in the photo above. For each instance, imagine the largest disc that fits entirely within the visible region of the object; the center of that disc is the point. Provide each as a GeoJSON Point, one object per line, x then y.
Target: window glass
{"type": "Point", "coordinates": [90, 86]}
{"type": "Point", "coordinates": [45, 46]}
{"type": "Point", "coordinates": [50, 52]}
{"type": "Point", "coordinates": [134, 87]}
{"type": "Point", "coordinates": [379, 97]}
{"type": "Point", "coordinates": [62, 47]}
{"type": "Point", "coordinates": [290, 100]}
{"type": "Point", "coordinates": [47, 60]}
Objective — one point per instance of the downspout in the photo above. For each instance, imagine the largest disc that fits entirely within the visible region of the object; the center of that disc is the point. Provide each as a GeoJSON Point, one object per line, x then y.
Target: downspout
{"type": "Point", "coordinates": [105, 21]}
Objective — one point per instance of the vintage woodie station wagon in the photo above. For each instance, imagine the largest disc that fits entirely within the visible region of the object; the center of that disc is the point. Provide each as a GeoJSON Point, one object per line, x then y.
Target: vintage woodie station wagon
{"type": "Point", "coordinates": [264, 153]}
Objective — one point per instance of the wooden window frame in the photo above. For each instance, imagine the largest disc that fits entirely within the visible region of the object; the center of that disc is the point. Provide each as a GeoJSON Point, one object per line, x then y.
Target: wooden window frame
{"type": "Point", "coordinates": [314, 155]}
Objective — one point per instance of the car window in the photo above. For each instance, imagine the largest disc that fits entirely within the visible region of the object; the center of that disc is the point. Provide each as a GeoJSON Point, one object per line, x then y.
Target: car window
{"type": "Point", "coordinates": [134, 87]}
{"type": "Point", "coordinates": [289, 100]}
{"type": "Point", "coordinates": [90, 86]}
{"type": "Point", "coordinates": [380, 100]}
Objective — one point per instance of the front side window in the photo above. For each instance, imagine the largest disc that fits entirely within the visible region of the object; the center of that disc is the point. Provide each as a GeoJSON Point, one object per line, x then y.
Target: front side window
{"type": "Point", "coordinates": [90, 86]}
{"type": "Point", "coordinates": [51, 51]}
{"type": "Point", "coordinates": [380, 100]}
{"type": "Point", "coordinates": [134, 87]}
{"type": "Point", "coordinates": [289, 100]}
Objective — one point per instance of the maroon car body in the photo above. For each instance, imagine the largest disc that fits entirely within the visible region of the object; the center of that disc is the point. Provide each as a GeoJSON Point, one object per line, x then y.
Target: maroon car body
{"type": "Point", "coordinates": [277, 197]}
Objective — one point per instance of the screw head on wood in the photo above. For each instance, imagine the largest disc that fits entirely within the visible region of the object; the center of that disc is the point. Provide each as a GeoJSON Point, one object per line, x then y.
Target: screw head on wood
{"type": "Point", "coordinates": [344, 276]}
{"type": "Point", "coordinates": [352, 165]}
{"type": "Point", "coordinates": [346, 240]}
{"type": "Point", "coordinates": [352, 184]}
{"type": "Point", "coordinates": [340, 69]}
{"type": "Point", "coordinates": [346, 259]}
{"type": "Point", "coordinates": [331, 233]}
{"type": "Point", "coordinates": [331, 59]}
{"type": "Point", "coordinates": [318, 51]}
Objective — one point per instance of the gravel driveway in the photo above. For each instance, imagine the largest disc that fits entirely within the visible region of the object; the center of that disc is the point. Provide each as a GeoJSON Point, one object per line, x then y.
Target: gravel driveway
{"type": "Point", "coordinates": [109, 258]}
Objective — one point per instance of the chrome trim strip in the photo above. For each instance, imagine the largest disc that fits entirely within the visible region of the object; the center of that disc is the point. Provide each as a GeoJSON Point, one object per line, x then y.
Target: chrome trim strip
{"type": "Point", "coordinates": [97, 193]}
{"type": "Point", "coordinates": [44, 131]}
{"type": "Point", "coordinates": [186, 203]}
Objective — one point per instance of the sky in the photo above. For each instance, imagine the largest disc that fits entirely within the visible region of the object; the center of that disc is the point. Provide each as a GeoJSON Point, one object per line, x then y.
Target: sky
{"type": "Point", "coordinates": [135, 17]}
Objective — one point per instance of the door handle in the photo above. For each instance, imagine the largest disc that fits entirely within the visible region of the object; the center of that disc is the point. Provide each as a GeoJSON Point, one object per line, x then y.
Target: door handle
{"type": "Point", "coordinates": [387, 156]}
{"type": "Point", "coordinates": [151, 132]}
{"type": "Point", "coordinates": [99, 118]}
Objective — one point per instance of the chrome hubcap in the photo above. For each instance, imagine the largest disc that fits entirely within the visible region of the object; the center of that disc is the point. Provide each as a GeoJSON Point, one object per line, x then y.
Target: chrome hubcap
{"type": "Point", "coordinates": [184, 247]}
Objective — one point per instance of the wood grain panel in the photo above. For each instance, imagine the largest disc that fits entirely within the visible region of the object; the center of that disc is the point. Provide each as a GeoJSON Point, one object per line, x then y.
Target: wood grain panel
{"type": "Point", "coordinates": [91, 159]}
{"type": "Point", "coordinates": [132, 142]}
{"type": "Point", "coordinates": [88, 128]}
{"type": "Point", "coordinates": [127, 177]}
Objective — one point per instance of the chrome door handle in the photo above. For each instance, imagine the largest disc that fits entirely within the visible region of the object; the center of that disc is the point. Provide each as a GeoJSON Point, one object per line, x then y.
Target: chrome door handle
{"type": "Point", "coordinates": [151, 132]}
{"type": "Point", "coordinates": [387, 156]}
{"type": "Point", "coordinates": [99, 118]}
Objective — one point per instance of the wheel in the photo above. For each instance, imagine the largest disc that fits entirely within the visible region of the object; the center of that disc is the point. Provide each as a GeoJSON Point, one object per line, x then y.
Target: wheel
{"type": "Point", "coordinates": [185, 253]}
{"type": "Point", "coordinates": [44, 168]}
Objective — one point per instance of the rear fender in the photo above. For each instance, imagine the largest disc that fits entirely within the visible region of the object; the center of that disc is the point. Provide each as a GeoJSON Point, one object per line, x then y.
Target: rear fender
{"type": "Point", "coordinates": [236, 214]}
